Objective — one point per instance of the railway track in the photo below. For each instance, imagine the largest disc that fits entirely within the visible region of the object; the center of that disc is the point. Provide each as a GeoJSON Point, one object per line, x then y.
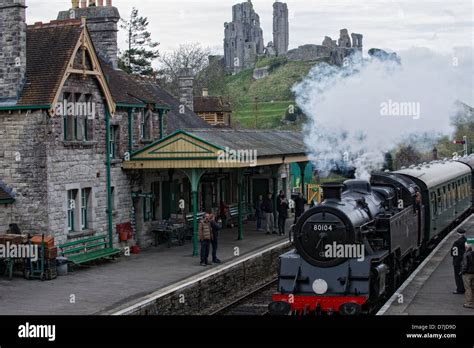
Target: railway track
{"type": "Point", "coordinates": [254, 303]}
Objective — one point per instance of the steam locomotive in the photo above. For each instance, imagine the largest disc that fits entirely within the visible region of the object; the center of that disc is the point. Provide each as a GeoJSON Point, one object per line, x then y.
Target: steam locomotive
{"type": "Point", "coordinates": [354, 249]}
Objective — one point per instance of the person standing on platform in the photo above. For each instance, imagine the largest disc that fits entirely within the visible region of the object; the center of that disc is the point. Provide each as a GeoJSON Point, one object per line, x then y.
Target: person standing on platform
{"type": "Point", "coordinates": [300, 204]}
{"type": "Point", "coordinates": [269, 209]}
{"type": "Point", "coordinates": [215, 227]}
{"type": "Point", "coordinates": [457, 252]}
{"type": "Point", "coordinates": [205, 237]}
{"type": "Point", "coordinates": [223, 210]}
{"type": "Point", "coordinates": [468, 276]}
{"type": "Point", "coordinates": [259, 212]}
{"type": "Point", "coordinates": [282, 216]}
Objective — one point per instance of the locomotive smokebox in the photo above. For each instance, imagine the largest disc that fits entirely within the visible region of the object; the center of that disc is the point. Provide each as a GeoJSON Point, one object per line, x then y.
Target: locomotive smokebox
{"type": "Point", "coordinates": [332, 191]}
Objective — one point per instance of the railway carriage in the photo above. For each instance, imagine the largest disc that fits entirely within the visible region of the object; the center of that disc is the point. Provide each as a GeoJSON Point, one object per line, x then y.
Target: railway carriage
{"type": "Point", "coordinates": [396, 219]}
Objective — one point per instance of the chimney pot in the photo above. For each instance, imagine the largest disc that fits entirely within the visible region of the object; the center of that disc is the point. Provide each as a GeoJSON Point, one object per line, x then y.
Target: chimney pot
{"type": "Point", "coordinates": [109, 3]}
{"type": "Point", "coordinates": [205, 92]}
{"type": "Point", "coordinates": [100, 3]}
{"type": "Point", "coordinates": [75, 3]}
{"type": "Point", "coordinates": [83, 3]}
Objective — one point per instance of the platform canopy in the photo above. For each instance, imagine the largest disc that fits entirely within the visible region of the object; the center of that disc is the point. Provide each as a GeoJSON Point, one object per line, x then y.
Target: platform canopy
{"type": "Point", "coordinates": [220, 148]}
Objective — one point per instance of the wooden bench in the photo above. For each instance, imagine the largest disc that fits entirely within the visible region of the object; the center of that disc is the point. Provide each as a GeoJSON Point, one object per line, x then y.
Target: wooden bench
{"type": "Point", "coordinates": [87, 250]}
{"type": "Point", "coordinates": [190, 221]}
{"type": "Point", "coordinates": [233, 214]}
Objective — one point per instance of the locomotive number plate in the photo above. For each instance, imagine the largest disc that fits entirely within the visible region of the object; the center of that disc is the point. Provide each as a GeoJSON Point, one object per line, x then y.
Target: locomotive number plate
{"type": "Point", "coordinates": [324, 227]}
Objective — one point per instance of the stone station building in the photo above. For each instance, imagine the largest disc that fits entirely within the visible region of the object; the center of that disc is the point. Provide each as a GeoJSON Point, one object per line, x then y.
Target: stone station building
{"type": "Point", "coordinates": [87, 148]}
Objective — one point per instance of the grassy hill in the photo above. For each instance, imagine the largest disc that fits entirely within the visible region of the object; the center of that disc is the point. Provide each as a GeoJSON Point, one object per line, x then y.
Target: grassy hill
{"type": "Point", "coordinates": [263, 102]}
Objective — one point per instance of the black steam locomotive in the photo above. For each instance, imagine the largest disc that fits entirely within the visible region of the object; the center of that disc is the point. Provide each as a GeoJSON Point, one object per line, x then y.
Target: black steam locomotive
{"type": "Point", "coordinates": [356, 247]}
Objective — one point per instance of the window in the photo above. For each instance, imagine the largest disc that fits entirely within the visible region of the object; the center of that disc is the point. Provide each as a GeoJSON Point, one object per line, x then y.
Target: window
{"type": "Point", "coordinates": [71, 207]}
{"type": "Point", "coordinates": [78, 112]}
{"type": "Point", "coordinates": [146, 126]}
{"type": "Point", "coordinates": [114, 141]}
{"type": "Point", "coordinates": [85, 195]}
{"type": "Point", "coordinates": [78, 209]}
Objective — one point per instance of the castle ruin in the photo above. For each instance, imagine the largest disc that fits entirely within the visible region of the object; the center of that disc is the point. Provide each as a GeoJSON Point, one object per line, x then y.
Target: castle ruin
{"type": "Point", "coordinates": [244, 44]}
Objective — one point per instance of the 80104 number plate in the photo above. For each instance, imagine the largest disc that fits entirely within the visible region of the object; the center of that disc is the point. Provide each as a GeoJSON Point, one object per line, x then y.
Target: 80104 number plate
{"type": "Point", "coordinates": [323, 227]}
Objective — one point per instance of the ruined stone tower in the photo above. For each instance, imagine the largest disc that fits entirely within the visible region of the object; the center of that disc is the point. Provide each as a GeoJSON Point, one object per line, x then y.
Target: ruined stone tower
{"type": "Point", "coordinates": [102, 22]}
{"type": "Point", "coordinates": [281, 28]}
{"type": "Point", "coordinates": [12, 49]}
{"type": "Point", "coordinates": [243, 38]}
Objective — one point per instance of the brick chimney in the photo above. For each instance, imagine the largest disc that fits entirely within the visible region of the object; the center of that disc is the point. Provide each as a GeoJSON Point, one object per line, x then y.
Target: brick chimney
{"type": "Point", "coordinates": [102, 23]}
{"type": "Point", "coordinates": [12, 49]}
{"type": "Point", "coordinates": [186, 88]}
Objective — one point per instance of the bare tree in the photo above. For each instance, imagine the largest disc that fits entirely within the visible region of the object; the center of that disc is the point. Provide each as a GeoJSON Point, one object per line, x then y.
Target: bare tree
{"type": "Point", "coordinates": [191, 56]}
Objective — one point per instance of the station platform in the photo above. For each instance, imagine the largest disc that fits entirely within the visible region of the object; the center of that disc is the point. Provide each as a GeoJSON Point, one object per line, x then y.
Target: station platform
{"type": "Point", "coordinates": [108, 285]}
{"type": "Point", "coordinates": [429, 290]}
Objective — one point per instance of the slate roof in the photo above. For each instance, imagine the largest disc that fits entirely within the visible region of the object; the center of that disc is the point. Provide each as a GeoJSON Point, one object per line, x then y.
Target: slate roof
{"type": "Point", "coordinates": [266, 142]}
{"type": "Point", "coordinates": [5, 193]}
{"type": "Point", "coordinates": [211, 104]}
{"type": "Point", "coordinates": [126, 90]}
{"type": "Point", "coordinates": [174, 120]}
{"type": "Point", "coordinates": [49, 48]}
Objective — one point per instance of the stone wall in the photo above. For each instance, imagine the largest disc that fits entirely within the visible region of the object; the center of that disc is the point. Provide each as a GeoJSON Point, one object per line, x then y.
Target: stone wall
{"type": "Point", "coordinates": [261, 73]}
{"type": "Point", "coordinates": [12, 48]}
{"type": "Point", "coordinates": [309, 53]}
{"type": "Point", "coordinates": [205, 296]}
{"type": "Point", "coordinates": [23, 164]}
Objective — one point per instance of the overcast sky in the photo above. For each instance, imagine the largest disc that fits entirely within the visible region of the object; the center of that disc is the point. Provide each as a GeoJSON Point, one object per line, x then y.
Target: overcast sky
{"type": "Point", "coordinates": [441, 25]}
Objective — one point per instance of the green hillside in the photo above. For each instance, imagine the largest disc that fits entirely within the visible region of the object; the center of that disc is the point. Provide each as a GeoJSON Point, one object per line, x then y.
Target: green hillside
{"type": "Point", "coordinates": [263, 102]}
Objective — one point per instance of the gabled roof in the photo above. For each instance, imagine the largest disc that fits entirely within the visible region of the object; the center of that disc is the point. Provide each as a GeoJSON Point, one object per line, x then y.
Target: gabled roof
{"type": "Point", "coordinates": [174, 119]}
{"type": "Point", "coordinates": [6, 194]}
{"type": "Point", "coordinates": [217, 148]}
{"type": "Point", "coordinates": [49, 49]}
{"type": "Point", "coordinates": [211, 104]}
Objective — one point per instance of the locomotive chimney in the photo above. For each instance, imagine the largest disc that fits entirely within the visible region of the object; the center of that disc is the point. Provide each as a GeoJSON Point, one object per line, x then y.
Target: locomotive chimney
{"type": "Point", "coordinates": [332, 191]}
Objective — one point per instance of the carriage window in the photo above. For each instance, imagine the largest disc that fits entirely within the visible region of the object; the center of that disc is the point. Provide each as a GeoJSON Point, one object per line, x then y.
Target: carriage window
{"type": "Point", "coordinates": [434, 206]}
{"type": "Point", "coordinates": [439, 201]}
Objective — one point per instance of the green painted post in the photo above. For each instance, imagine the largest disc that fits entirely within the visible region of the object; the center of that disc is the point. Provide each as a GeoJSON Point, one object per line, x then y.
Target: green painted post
{"type": "Point", "coordinates": [161, 113]}
{"type": "Point", "coordinates": [195, 224]}
{"type": "Point", "coordinates": [130, 131]}
{"type": "Point", "coordinates": [240, 177]}
{"type": "Point", "coordinates": [194, 176]}
{"type": "Point", "coordinates": [275, 170]}
{"type": "Point", "coordinates": [109, 189]}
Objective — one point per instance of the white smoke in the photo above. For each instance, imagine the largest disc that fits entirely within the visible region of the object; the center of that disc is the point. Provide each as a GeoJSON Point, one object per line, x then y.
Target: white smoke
{"type": "Point", "coordinates": [360, 111]}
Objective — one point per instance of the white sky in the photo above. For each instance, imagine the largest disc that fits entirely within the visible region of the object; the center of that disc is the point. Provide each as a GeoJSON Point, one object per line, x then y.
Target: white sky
{"type": "Point", "coordinates": [391, 24]}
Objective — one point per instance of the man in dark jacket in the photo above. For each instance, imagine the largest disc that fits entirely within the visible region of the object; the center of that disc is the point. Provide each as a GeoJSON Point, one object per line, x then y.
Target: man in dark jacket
{"type": "Point", "coordinates": [457, 252]}
{"type": "Point", "coordinates": [467, 271]}
{"type": "Point", "coordinates": [282, 216]}
{"type": "Point", "coordinates": [215, 227]}
{"type": "Point", "coordinates": [300, 204]}
{"type": "Point", "coordinates": [268, 209]}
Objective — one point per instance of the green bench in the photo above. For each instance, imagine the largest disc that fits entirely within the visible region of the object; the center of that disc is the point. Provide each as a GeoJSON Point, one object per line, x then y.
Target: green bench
{"type": "Point", "coordinates": [87, 250]}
